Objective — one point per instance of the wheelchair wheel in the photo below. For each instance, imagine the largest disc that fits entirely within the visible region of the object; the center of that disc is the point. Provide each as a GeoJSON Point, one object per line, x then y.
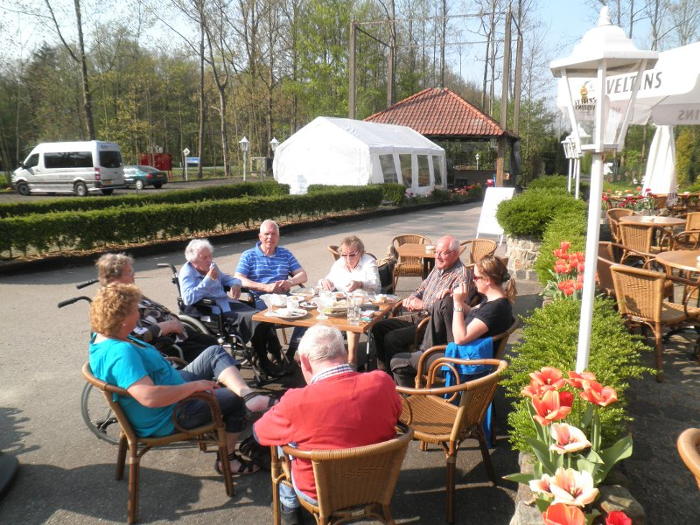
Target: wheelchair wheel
{"type": "Point", "coordinates": [97, 415]}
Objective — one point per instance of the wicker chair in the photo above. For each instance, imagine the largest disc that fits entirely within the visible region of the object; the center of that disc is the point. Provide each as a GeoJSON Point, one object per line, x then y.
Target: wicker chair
{"type": "Point", "coordinates": [334, 251]}
{"type": "Point", "coordinates": [477, 249]}
{"type": "Point", "coordinates": [210, 434]}
{"type": "Point", "coordinates": [689, 449]}
{"type": "Point", "coordinates": [613, 215]}
{"type": "Point", "coordinates": [640, 299]}
{"type": "Point", "coordinates": [638, 242]}
{"type": "Point", "coordinates": [351, 483]}
{"type": "Point", "coordinates": [689, 238]}
{"type": "Point", "coordinates": [436, 420]}
{"type": "Point", "coordinates": [408, 266]}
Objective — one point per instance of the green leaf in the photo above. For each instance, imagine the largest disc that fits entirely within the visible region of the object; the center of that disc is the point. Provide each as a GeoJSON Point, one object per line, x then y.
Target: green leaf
{"type": "Point", "coordinates": [542, 453]}
{"type": "Point", "coordinates": [520, 478]}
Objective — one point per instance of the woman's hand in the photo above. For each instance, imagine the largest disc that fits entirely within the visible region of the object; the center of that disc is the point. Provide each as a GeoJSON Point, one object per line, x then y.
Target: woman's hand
{"type": "Point", "coordinates": [234, 292]}
{"type": "Point", "coordinates": [202, 385]}
{"type": "Point", "coordinates": [460, 295]}
{"type": "Point", "coordinates": [213, 272]}
{"type": "Point", "coordinates": [326, 284]}
{"type": "Point", "coordinates": [354, 285]}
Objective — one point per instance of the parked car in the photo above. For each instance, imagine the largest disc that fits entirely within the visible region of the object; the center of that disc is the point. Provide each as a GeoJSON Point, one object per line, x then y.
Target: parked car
{"type": "Point", "coordinates": [140, 176]}
{"type": "Point", "coordinates": [71, 167]}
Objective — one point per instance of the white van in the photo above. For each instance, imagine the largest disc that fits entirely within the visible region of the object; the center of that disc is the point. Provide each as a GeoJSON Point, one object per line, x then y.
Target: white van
{"type": "Point", "coordinates": [71, 167]}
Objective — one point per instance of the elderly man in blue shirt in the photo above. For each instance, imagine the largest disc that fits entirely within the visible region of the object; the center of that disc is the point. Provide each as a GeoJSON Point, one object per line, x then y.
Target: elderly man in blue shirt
{"type": "Point", "coordinates": [200, 278]}
{"type": "Point", "coordinates": [269, 268]}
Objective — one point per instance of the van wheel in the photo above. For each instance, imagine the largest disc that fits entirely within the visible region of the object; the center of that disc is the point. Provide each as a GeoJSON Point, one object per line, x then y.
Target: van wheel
{"type": "Point", "coordinates": [139, 185]}
{"type": "Point", "coordinates": [157, 185]}
{"type": "Point", "coordinates": [108, 191]}
{"type": "Point", "coordinates": [80, 189]}
{"type": "Point", "coordinates": [23, 188]}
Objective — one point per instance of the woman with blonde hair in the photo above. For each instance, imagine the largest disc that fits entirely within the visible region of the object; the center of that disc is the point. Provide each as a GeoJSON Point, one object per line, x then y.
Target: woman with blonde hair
{"type": "Point", "coordinates": [354, 270]}
{"type": "Point", "coordinates": [155, 386]}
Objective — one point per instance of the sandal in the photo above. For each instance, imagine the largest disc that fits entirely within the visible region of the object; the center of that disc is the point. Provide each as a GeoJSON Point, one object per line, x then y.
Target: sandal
{"type": "Point", "coordinates": [257, 453]}
{"type": "Point", "coordinates": [244, 466]}
{"type": "Point", "coordinates": [254, 416]}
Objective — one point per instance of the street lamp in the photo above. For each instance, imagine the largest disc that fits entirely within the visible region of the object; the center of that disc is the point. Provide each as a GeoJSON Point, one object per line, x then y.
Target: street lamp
{"type": "Point", "coordinates": [273, 145]}
{"type": "Point", "coordinates": [477, 160]}
{"type": "Point", "coordinates": [603, 51]}
{"type": "Point", "coordinates": [573, 155]}
{"type": "Point", "coordinates": [244, 143]}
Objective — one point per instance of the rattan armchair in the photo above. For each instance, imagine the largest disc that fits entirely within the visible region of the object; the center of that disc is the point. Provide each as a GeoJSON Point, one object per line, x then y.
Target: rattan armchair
{"type": "Point", "coordinates": [689, 449]}
{"type": "Point", "coordinates": [211, 434]}
{"type": "Point", "coordinates": [477, 249]}
{"type": "Point", "coordinates": [334, 251]}
{"type": "Point", "coordinates": [351, 483]}
{"type": "Point", "coordinates": [613, 215]}
{"type": "Point", "coordinates": [689, 238]}
{"type": "Point", "coordinates": [637, 241]}
{"type": "Point", "coordinates": [436, 420]}
{"type": "Point", "coordinates": [640, 300]}
{"type": "Point", "coordinates": [408, 266]}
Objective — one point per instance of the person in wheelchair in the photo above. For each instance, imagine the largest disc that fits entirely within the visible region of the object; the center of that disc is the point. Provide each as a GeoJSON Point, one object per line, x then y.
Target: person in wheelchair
{"type": "Point", "coordinates": [155, 386]}
{"type": "Point", "coordinates": [157, 325]}
{"type": "Point", "coordinates": [200, 278]}
{"type": "Point", "coordinates": [269, 268]}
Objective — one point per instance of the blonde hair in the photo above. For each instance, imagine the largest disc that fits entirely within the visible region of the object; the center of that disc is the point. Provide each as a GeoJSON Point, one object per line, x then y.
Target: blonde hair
{"type": "Point", "coordinates": [110, 307]}
{"type": "Point", "coordinates": [111, 266]}
{"type": "Point", "coordinates": [353, 241]}
{"type": "Point", "coordinates": [493, 268]}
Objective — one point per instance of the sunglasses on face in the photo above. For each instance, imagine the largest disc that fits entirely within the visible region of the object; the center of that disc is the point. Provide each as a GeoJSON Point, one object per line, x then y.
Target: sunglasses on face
{"type": "Point", "coordinates": [353, 254]}
{"type": "Point", "coordinates": [478, 277]}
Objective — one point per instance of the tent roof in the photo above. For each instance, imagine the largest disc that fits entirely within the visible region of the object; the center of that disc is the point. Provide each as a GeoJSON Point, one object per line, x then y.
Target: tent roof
{"type": "Point", "coordinates": [371, 134]}
{"type": "Point", "coordinates": [439, 112]}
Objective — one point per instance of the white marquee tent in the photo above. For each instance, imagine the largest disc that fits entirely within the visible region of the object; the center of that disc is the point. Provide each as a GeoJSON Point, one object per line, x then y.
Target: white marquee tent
{"type": "Point", "coordinates": [339, 151]}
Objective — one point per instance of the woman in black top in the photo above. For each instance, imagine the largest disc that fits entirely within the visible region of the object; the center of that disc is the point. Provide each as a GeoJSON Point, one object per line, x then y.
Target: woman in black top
{"type": "Point", "coordinates": [494, 314]}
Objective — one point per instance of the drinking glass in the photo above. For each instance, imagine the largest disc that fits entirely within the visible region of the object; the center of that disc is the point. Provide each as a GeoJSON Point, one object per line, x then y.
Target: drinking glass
{"type": "Point", "coordinates": [325, 303]}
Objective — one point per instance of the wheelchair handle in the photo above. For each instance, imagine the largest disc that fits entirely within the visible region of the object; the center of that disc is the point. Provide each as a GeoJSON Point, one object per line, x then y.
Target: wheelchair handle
{"type": "Point", "coordinates": [86, 283]}
{"type": "Point", "coordinates": [74, 300]}
{"type": "Point", "coordinates": [167, 265]}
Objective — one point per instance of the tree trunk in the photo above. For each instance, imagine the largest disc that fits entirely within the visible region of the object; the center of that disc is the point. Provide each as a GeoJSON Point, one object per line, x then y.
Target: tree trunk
{"type": "Point", "coordinates": [87, 97]}
{"type": "Point", "coordinates": [202, 107]}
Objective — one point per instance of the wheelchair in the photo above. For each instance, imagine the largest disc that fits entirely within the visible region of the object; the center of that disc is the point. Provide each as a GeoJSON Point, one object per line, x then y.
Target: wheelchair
{"type": "Point", "coordinates": [201, 317]}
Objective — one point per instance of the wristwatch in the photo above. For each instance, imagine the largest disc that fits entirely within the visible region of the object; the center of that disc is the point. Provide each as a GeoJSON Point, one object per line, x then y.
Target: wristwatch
{"type": "Point", "coordinates": [458, 309]}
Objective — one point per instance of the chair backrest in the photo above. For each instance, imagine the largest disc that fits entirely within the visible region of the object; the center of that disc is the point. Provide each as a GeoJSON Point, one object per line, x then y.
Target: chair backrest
{"type": "Point", "coordinates": [639, 292]}
{"type": "Point", "coordinates": [410, 239]}
{"type": "Point", "coordinates": [109, 392]}
{"type": "Point", "coordinates": [475, 395]}
{"type": "Point", "coordinates": [613, 215]}
{"type": "Point", "coordinates": [605, 279]}
{"type": "Point", "coordinates": [356, 476]}
{"type": "Point", "coordinates": [334, 251]}
{"type": "Point", "coordinates": [408, 265]}
{"type": "Point", "coordinates": [689, 449]}
{"type": "Point", "coordinates": [638, 237]}
{"type": "Point", "coordinates": [692, 221]}
{"type": "Point", "coordinates": [478, 249]}
{"type": "Point", "coordinates": [500, 341]}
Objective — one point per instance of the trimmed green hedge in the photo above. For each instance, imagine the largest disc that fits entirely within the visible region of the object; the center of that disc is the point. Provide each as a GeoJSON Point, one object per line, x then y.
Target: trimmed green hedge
{"type": "Point", "coordinates": [528, 214]}
{"type": "Point", "coordinates": [393, 193]}
{"type": "Point", "coordinates": [121, 225]}
{"type": "Point", "coordinates": [228, 191]}
{"type": "Point", "coordinates": [558, 183]}
{"type": "Point", "coordinates": [549, 338]}
{"type": "Point", "coordinates": [569, 225]}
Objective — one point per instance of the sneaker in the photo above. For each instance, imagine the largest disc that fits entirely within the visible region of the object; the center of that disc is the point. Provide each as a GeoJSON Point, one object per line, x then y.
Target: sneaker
{"type": "Point", "coordinates": [291, 516]}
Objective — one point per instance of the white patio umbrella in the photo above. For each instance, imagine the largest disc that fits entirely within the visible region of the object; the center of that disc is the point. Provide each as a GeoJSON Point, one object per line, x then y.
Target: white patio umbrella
{"type": "Point", "coordinates": [660, 176]}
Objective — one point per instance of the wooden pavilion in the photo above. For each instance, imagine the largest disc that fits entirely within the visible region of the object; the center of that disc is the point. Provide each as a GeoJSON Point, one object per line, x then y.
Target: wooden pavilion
{"type": "Point", "coordinates": [442, 115]}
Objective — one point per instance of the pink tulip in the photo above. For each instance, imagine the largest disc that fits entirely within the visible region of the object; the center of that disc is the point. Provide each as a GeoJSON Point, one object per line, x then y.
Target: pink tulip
{"type": "Point", "coordinates": [560, 514]}
{"type": "Point", "coordinates": [567, 439]}
{"type": "Point", "coordinates": [576, 379]}
{"type": "Point", "coordinates": [598, 394]}
{"type": "Point", "coordinates": [552, 406]}
{"type": "Point", "coordinates": [572, 487]}
{"type": "Point", "coordinates": [617, 517]}
{"type": "Point", "coordinates": [540, 485]}
{"type": "Point", "coordinates": [548, 376]}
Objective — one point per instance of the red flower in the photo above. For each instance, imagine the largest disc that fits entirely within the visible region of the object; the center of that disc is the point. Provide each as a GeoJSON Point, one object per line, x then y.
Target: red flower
{"type": "Point", "coordinates": [549, 377]}
{"type": "Point", "coordinates": [561, 514]}
{"type": "Point", "coordinates": [568, 286]}
{"type": "Point", "coordinates": [561, 266]}
{"type": "Point", "coordinates": [552, 406]}
{"type": "Point", "coordinates": [598, 394]}
{"type": "Point", "coordinates": [565, 245]}
{"type": "Point", "coordinates": [617, 517]}
{"type": "Point", "coordinates": [576, 380]}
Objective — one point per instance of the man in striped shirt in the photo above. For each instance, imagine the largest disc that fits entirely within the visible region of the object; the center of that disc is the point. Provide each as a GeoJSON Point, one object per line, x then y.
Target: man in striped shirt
{"type": "Point", "coordinates": [396, 335]}
{"type": "Point", "coordinates": [269, 268]}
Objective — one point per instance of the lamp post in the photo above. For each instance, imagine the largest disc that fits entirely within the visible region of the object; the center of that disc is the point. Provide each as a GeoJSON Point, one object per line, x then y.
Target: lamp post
{"type": "Point", "coordinates": [244, 143]}
{"type": "Point", "coordinates": [603, 51]}
{"type": "Point", "coordinates": [273, 145]}
{"type": "Point", "coordinates": [566, 143]}
{"type": "Point", "coordinates": [477, 160]}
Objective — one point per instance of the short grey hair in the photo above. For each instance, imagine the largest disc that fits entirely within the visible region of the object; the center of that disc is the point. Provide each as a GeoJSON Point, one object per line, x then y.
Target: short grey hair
{"type": "Point", "coordinates": [195, 246]}
{"type": "Point", "coordinates": [269, 221]}
{"type": "Point", "coordinates": [454, 243]}
{"type": "Point", "coordinates": [322, 343]}
{"type": "Point", "coordinates": [111, 266]}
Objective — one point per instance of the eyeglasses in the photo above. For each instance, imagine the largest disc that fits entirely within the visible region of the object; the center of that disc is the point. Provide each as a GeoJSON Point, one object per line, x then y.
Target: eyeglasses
{"type": "Point", "coordinates": [444, 253]}
{"type": "Point", "coordinates": [353, 254]}
{"type": "Point", "coordinates": [479, 277]}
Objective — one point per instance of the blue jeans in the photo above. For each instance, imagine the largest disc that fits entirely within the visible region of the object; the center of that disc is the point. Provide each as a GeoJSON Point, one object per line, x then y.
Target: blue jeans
{"type": "Point", "coordinates": [195, 412]}
{"type": "Point", "coordinates": [289, 496]}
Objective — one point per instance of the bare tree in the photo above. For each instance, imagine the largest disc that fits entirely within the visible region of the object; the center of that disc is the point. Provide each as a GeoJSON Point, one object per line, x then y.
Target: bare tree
{"type": "Point", "coordinates": [685, 15]}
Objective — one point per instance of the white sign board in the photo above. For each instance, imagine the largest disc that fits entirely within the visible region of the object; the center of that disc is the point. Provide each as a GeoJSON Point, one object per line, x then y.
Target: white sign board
{"type": "Point", "coordinates": [487, 220]}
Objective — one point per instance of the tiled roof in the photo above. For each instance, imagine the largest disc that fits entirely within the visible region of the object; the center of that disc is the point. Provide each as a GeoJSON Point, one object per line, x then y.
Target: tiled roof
{"type": "Point", "coordinates": [439, 112]}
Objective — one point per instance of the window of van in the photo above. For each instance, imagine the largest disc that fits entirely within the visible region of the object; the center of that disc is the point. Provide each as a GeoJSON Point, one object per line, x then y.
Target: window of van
{"type": "Point", "coordinates": [68, 159]}
{"type": "Point", "coordinates": [110, 159]}
{"type": "Point", "coordinates": [423, 171]}
{"type": "Point", "coordinates": [388, 168]}
{"type": "Point", "coordinates": [405, 160]}
{"type": "Point", "coordinates": [32, 161]}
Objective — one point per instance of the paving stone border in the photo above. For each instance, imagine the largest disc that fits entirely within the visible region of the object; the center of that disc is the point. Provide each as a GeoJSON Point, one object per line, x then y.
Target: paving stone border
{"type": "Point", "coordinates": [522, 253]}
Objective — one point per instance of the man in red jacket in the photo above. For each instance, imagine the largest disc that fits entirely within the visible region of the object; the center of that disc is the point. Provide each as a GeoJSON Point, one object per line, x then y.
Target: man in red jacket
{"type": "Point", "coordinates": [339, 408]}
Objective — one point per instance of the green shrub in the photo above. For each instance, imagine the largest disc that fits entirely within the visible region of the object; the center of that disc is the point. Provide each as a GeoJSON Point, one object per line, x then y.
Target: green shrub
{"type": "Point", "coordinates": [394, 193]}
{"type": "Point", "coordinates": [528, 214]}
{"type": "Point", "coordinates": [124, 225]}
{"type": "Point", "coordinates": [228, 191]}
{"type": "Point", "coordinates": [550, 337]}
{"type": "Point", "coordinates": [558, 183]}
{"type": "Point", "coordinates": [569, 225]}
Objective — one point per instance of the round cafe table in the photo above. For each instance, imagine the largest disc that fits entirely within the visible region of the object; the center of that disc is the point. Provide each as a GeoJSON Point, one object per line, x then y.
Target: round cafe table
{"type": "Point", "coordinates": [684, 260]}
{"type": "Point", "coordinates": [653, 221]}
